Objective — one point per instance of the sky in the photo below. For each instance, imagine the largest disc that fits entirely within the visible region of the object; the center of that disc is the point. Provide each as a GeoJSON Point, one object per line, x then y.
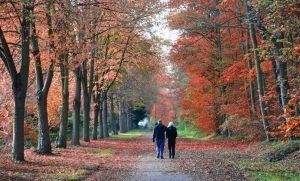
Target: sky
{"type": "Point", "coordinates": [162, 30]}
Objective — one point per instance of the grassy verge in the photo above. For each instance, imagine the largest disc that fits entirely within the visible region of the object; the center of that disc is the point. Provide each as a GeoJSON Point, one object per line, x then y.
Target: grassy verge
{"type": "Point", "coordinates": [261, 169]}
{"type": "Point", "coordinates": [133, 134]}
{"type": "Point", "coordinates": [188, 131]}
{"type": "Point", "coordinates": [64, 174]}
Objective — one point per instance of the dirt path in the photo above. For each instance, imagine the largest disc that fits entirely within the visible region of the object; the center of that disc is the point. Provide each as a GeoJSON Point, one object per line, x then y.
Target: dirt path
{"type": "Point", "coordinates": [189, 164]}
{"type": "Point", "coordinates": [152, 169]}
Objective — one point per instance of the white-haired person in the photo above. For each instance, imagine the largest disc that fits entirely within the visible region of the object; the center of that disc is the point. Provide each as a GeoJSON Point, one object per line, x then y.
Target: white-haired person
{"type": "Point", "coordinates": [171, 134]}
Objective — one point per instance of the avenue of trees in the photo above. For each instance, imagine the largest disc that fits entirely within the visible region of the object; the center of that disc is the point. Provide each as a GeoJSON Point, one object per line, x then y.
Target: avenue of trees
{"type": "Point", "coordinates": [88, 68]}
{"type": "Point", "coordinates": [84, 59]}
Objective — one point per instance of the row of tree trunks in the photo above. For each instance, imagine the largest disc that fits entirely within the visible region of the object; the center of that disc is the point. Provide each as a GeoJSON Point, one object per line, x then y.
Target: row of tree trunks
{"type": "Point", "coordinates": [125, 116]}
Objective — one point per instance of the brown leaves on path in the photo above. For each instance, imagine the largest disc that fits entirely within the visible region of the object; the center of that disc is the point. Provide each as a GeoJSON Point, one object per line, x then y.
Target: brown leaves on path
{"type": "Point", "coordinates": [108, 159]}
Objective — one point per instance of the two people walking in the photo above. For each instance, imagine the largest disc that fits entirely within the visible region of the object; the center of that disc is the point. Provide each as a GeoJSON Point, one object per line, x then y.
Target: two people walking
{"type": "Point", "coordinates": [160, 133]}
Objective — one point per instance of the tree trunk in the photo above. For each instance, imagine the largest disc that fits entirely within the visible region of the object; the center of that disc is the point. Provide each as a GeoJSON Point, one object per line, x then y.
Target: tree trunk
{"type": "Point", "coordinates": [18, 126]}
{"type": "Point", "coordinates": [44, 143]}
{"type": "Point", "coordinates": [96, 99]}
{"type": "Point", "coordinates": [96, 116]}
{"type": "Point", "coordinates": [258, 69]}
{"type": "Point", "coordinates": [105, 122]}
{"type": "Point", "coordinates": [101, 130]}
{"type": "Point", "coordinates": [251, 83]}
{"type": "Point", "coordinates": [128, 118]}
{"type": "Point", "coordinates": [20, 82]}
{"type": "Point", "coordinates": [42, 89]}
{"type": "Point", "coordinates": [122, 118]}
{"type": "Point", "coordinates": [281, 70]}
{"type": "Point", "coordinates": [218, 42]}
{"type": "Point", "coordinates": [76, 107]}
{"type": "Point", "coordinates": [112, 116]}
{"type": "Point", "coordinates": [86, 103]}
{"type": "Point", "coordinates": [62, 140]}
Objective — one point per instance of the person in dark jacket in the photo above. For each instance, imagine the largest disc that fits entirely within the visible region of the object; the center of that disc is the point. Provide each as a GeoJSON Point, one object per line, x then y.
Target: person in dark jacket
{"type": "Point", "coordinates": [159, 136]}
{"type": "Point", "coordinates": [156, 148]}
{"type": "Point", "coordinates": [171, 135]}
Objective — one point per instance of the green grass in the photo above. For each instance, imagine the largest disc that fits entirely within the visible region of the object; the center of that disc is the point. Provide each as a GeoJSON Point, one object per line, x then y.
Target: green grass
{"type": "Point", "coordinates": [272, 176]}
{"type": "Point", "coordinates": [187, 131]}
{"type": "Point", "coordinates": [64, 174]}
{"type": "Point", "coordinates": [279, 144]}
{"type": "Point", "coordinates": [129, 135]}
{"type": "Point", "coordinates": [260, 169]}
{"type": "Point", "coordinates": [106, 152]}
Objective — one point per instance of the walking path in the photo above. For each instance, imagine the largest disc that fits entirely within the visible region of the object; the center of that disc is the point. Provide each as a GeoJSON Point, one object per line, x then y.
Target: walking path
{"type": "Point", "coordinates": [150, 168]}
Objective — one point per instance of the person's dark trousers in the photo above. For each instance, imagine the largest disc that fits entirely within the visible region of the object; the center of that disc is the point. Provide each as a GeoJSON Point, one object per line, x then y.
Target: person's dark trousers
{"type": "Point", "coordinates": [160, 146]}
{"type": "Point", "coordinates": [171, 146]}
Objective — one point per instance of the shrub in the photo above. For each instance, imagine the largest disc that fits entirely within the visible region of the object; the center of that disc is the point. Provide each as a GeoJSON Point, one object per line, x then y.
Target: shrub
{"type": "Point", "coordinates": [242, 128]}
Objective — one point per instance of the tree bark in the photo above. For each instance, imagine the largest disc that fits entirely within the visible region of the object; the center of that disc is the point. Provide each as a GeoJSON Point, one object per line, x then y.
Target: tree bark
{"type": "Point", "coordinates": [251, 83]}
{"type": "Point", "coordinates": [259, 72]}
{"type": "Point", "coordinates": [281, 70]}
{"type": "Point", "coordinates": [62, 140]}
{"type": "Point", "coordinates": [76, 107]}
{"type": "Point", "coordinates": [112, 116]}
{"type": "Point", "coordinates": [122, 118]}
{"type": "Point", "coordinates": [19, 80]}
{"type": "Point", "coordinates": [96, 116]}
{"type": "Point", "coordinates": [101, 130]}
{"type": "Point", "coordinates": [42, 90]}
{"type": "Point", "coordinates": [96, 100]}
{"type": "Point", "coordinates": [105, 120]}
{"type": "Point", "coordinates": [86, 103]}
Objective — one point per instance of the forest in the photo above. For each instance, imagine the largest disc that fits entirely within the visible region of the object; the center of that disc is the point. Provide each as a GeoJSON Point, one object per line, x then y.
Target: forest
{"type": "Point", "coordinates": [76, 75]}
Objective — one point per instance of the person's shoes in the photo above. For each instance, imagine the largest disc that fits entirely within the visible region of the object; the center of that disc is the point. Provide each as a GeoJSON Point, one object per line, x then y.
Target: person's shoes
{"type": "Point", "coordinates": [162, 157]}
{"type": "Point", "coordinates": [172, 157]}
{"type": "Point", "coordinates": [157, 155]}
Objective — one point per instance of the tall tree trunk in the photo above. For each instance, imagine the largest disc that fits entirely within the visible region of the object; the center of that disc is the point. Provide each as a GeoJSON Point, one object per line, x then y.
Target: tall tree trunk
{"type": "Point", "coordinates": [101, 129]}
{"type": "Point", "coordinates": [62, 140]}
{"type": "Point", "coordinates": [251, 83]}
{"type": "Point", "coordinates": [259, 72]}
{"type": "Point", "coordinates": [112, 115]}
{"type": "Point", "coordinates": [281, 69]}
{"type": "Point", "coordinates": [86, 103]}
{"type": "Point", "coordinates": [218, 42]}
{"type": "Point", "coordinates": [76, 107]}
{"type": "Point", "coordinates": [18, 126]}
{"type": "Point", "coordinates": [128, 118]}
{"type": "Point", "coordinates": [105, 115]}
{"type": "Point", "coordinates": [42, 90]}
{"type": "Point", "coordinates": [96, 116]}
{"type": "Point", "coordinates": [96, 100]}
{"type": "Point", "coordinates": [19, 80]}
{"type": "Point", "coordinates": [122, 118]}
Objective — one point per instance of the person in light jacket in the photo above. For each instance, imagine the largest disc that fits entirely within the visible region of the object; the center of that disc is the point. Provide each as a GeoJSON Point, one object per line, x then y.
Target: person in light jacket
{"type": "Point", "coordinates": [171, 135]}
